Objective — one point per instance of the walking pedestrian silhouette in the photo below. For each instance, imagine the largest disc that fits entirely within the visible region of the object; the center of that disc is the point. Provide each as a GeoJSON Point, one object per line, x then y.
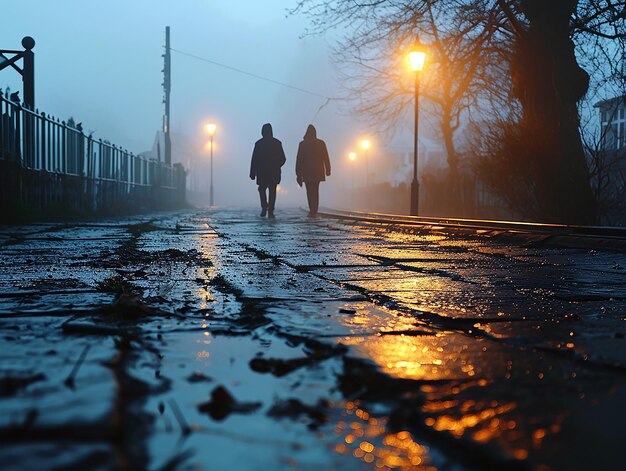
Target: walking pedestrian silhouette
{"type": "Point", "coordinates": [267, 159]}
{"type": "Point", "coordinates": [312, 167]}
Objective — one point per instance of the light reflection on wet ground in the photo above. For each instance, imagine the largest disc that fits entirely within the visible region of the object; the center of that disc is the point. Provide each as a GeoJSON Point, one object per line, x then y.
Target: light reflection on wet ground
{"type": "Point", "coordinates": [366, 348]}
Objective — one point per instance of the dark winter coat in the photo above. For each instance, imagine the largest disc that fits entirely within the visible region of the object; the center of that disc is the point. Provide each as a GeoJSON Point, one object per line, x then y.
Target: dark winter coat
{"type": "Point", "coordinates": [267, 158]}
{"type": "Point", "coordinates": [312, 162]}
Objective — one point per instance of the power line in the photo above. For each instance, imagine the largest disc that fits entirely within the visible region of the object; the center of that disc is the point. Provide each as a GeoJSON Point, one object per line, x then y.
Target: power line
{"type": "Point", "coordinates": [250, 74]}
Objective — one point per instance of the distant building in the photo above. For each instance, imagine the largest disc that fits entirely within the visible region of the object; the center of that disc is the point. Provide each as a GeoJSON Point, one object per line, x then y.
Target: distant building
{"type": "Point", "coordinates": [612, 123]}
{"type": "Point", "coordinates": [431, 159]}
{"type": "Point", "coordinates": [608, 162]}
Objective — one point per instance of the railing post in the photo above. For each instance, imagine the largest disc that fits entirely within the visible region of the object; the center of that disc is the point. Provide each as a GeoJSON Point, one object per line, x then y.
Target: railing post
{"type": "Point", "coordinates": [38, 140]}
{"type": "Point", "coordinates": [28, 74]}
{"type": "Point", "coordinates": [82, 154]}
{"type": "Point", "coordinates": [43, 142]}
{"type": "Point", "coordinates": [58, 157]}
{"type": "Point", "coordinates": [3, 124]}
{"type": "Point", "coordinates": [17, 126]}
{"type": "Point", "coordinates": [64, 147]}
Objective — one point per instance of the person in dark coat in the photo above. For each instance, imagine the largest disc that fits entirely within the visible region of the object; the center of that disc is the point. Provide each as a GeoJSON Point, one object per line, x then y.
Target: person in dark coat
{"type": "Point", "coordinates": [267, 159]}
{"type": "Point", "coordinates": [312, 167]}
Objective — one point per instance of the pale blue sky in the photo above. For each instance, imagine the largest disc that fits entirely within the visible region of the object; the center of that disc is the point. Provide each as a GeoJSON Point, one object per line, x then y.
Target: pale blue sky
{"type": "Point", "coordinates": [100, 62]}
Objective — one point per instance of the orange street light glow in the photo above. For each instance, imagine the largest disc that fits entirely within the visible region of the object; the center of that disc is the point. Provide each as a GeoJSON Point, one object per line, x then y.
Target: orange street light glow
{"type": "Point", "coordinates": [366, 144]}
{"type": "Point", "coordinates": [416, 59]}
{"type": "Point", "coordinates": [352, 156]}
{"type": "Point", "coordinates": [211, 128]}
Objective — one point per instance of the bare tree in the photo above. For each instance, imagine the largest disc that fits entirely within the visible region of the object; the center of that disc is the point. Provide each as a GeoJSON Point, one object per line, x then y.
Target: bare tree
{"type": "Point", "coordinates": [461, 74]}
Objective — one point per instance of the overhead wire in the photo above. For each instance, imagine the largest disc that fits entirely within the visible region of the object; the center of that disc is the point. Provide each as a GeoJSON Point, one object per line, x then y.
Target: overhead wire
{"type": "Point", "coordinates": [260, 77]}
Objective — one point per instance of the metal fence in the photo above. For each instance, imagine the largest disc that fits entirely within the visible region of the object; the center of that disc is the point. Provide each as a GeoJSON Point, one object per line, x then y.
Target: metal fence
{"type": "Point", "coordinates": [48, 162]}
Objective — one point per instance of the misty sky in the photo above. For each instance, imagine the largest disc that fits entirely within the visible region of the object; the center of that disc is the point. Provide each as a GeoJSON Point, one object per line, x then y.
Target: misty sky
{"type": "Point", "coordinates": [100, 62]}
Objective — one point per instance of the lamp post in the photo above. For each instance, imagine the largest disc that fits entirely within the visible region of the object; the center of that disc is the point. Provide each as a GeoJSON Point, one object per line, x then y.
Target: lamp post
{"type": "Point", "coordinates": [211, 128]}
{"type": "Point", "coordinates": [365, 145]}
{"type": "Point", "coordinates": [416, 59]}
{"type": "Point", "coordinates": [352, 157]}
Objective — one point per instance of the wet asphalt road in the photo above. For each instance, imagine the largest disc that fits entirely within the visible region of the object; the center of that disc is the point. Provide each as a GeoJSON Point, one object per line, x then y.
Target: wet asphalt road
{"type": "Point", "coordinates": [220, 340]}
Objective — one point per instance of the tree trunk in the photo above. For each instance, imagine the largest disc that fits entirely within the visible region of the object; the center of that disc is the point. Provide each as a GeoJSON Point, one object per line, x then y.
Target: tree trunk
{"type": "Point", "coordinates": [549, 84]}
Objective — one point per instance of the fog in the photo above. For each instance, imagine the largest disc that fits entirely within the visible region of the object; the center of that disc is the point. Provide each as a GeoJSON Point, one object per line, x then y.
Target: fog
{"type": "Point", "coordinates": [100, 63]}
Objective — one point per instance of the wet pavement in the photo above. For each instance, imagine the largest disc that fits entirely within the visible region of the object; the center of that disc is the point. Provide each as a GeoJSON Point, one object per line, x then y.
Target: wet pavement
{"type": "Point", "coordinates": [220, 340]}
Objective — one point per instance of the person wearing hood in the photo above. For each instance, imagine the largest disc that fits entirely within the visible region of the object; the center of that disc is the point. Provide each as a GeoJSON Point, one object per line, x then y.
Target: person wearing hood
{"type": "Point", "coordinates": [312, 167]}
{"type": "Point", "coordinates": [267, 159]}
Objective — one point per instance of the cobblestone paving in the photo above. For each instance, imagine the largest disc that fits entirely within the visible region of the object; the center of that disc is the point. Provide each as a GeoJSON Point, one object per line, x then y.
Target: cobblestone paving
{"type": "Point", "coordinates": [220, 340]}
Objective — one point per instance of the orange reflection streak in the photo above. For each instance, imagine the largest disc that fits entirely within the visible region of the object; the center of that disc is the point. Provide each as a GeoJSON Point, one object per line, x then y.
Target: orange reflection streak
{"type": "Point", "coordinates": [491, 428]}
{"type": "Point", "coordinates": [378, 447]}
{"type": "Point", "coordinates": [412, 357]}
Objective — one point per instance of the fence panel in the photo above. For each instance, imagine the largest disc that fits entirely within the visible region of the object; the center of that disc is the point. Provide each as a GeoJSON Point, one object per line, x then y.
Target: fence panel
{"type": "Point", "coordinates": [46, 162]}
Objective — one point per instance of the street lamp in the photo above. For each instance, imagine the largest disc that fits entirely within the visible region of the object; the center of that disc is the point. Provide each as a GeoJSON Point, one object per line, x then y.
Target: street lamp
{"type": "Point", "coordinates": [417, 58]}
{"type": "Point", "coordinates": [365, 145]}
{"type": "Point", "coordinates": [352, 156]}
{"type": "Point", "coordinates": [211, 128]}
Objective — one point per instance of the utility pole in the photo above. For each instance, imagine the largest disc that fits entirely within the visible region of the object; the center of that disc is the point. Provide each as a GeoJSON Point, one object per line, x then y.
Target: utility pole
{"type": "Point", "coordinates": [167, 86]}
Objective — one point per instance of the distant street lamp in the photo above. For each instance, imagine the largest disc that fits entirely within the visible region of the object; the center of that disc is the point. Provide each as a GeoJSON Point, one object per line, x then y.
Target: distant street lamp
{"type": "Point", "coordinates": [352, 156]}
{"type": "Point", "coordinates": [211, 128]}
{"type": "Point", "coordinates": [416, 59]}
{"type": "Point", "coordinates": [365, 145]}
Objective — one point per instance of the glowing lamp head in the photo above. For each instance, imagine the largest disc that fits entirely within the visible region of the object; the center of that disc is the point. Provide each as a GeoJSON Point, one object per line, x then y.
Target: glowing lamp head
{"type": "Point", "coordinates": [417, 59]}
{"type": "Point", "coordinates": [352, 156]}
{"type": "Point", "coordinates": [211, 128]}
{"type": "Point", "coordinates": [366, 144]}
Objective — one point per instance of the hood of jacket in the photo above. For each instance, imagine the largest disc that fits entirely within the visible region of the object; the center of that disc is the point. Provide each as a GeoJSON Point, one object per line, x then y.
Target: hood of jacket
{"type": "Point", "coordinates": [266, 130]}
{"type": "Point", "coordinates": [311, 132]}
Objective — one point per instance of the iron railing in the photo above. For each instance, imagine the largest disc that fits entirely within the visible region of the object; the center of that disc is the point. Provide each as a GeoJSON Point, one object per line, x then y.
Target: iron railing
{"type": "Point", "coordinates": [38, 144]}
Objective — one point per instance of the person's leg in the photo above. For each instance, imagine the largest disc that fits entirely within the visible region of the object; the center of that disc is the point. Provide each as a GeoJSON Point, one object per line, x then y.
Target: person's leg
{"type": "Point", "coordinates": [309, 196]}
{"type": "Point", "coordinates": [272, 200]}
{"type": "Point", "coordinates": [316, 197]}
{"type": "Point", "coordinates": [312, 196]}
{"type": "Point", "coordinates": [263, 196]}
